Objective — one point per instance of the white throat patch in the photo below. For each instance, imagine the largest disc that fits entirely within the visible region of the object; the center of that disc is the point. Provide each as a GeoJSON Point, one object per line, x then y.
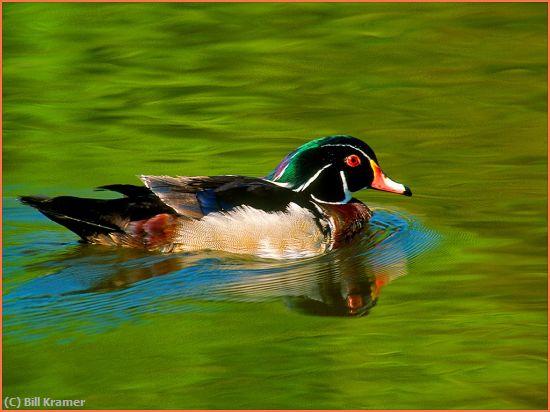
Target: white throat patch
{"type": "Point", "coordinates": [345, 188]}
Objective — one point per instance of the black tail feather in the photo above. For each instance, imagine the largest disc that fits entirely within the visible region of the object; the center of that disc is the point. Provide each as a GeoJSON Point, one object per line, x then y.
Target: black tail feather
{"type": "Point", "coordinates": [78, 215]}
{"type": "Point", "coordinates": [89, 218]}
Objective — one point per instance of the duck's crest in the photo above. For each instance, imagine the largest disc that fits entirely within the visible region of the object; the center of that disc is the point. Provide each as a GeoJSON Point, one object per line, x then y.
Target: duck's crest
{"type": "Point", "coordinates": [286, 171]}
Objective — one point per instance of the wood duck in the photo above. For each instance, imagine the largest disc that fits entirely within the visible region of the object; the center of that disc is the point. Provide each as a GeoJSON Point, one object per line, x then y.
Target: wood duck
{"type": "Point", "coordinates": [303, 208]}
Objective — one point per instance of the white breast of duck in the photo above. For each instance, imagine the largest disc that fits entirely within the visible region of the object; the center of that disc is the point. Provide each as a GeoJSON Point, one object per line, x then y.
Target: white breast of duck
{"type": "Point", "coordinates": [291, 234]}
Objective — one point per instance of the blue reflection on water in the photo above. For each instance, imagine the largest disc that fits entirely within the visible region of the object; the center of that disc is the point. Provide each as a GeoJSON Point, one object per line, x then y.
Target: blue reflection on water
{"type": "Point", "coordinates": [96, 288]}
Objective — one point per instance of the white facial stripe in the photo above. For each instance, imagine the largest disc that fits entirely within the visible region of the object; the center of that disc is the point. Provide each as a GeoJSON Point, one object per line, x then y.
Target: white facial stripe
{"type": "Point", "coordinates": [347, 193]}
{"type": "Point", "coordinates": [353, 147]}
{"type": "Point", "coordinates": [282, 184]}
{"type": "Point", "coordinates": [282, 172]}
{"type": "Point", "coordinates": [312, 179]}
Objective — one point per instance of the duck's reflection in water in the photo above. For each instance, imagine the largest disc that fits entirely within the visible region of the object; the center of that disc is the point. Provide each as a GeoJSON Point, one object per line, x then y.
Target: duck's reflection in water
{"type": "Point", "coordinates": [93, 281]}
{"type": "Point", "coordinates": [345, 282]}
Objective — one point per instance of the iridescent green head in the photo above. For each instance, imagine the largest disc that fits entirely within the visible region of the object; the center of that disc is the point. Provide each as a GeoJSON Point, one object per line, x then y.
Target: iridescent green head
{"type": "Point", "coordinates": [331, 168]}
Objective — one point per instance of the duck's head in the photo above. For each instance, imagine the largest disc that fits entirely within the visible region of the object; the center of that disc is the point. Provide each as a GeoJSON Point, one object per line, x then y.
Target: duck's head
{"type": "Point", "coordinates": [331, 168]}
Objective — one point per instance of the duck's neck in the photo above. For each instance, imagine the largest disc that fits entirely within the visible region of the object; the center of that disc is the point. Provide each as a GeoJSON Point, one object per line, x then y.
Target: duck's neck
{"type": "Point", "coordinates": [347, 220]}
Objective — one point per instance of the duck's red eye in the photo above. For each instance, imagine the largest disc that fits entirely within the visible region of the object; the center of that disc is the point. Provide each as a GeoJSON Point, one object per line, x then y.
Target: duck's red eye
{"type": "Point", "coordinates": [353, 160]}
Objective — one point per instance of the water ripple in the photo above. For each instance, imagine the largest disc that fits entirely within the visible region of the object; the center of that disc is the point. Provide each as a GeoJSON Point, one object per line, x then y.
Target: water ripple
{"type": "Point", "coordinates": [95, 288]}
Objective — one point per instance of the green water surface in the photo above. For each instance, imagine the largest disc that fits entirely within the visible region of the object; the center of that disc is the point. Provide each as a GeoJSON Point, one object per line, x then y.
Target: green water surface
{"type": "Point", "coordinates": [451, 96]}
